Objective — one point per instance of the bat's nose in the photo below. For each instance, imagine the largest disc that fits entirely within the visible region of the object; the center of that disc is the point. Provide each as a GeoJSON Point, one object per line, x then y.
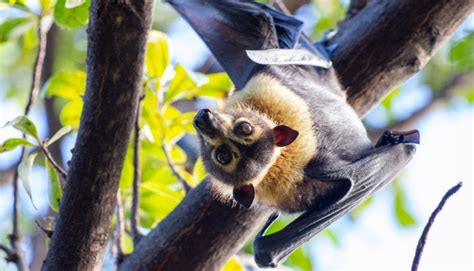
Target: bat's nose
{"type": "Point", "coordinates": [202, 120]}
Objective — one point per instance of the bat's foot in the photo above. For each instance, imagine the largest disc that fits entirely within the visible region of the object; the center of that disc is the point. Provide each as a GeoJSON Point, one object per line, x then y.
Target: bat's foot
{"type": "Point", "coordinates": [323, 46]}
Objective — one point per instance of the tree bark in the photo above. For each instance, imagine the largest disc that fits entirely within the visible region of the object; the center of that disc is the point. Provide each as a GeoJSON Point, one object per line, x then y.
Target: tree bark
{"type": "Point", "coordinates": [380, 47]}
{"type": "Point", "coordinates": [116, 44]}
{"type": "Point", "coordinates": [388, 41]}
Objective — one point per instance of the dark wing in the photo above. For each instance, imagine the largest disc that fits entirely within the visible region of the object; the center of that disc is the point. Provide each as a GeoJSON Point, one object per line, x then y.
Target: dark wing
{"type": "Point", "coordinates": [357, 180]}
{"type": "Point", "coordinates": [229, 28]}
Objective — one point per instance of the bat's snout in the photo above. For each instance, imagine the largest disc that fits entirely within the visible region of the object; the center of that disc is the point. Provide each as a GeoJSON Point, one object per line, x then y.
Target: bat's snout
{"type": "Point", "coordinates": [204, 122]}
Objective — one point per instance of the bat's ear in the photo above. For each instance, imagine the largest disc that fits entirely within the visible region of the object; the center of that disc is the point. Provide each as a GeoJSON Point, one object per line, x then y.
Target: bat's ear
{"type": "Point", "coordinates": [244, 195]}
{"type": "Point", "coordinates": [284, 135]}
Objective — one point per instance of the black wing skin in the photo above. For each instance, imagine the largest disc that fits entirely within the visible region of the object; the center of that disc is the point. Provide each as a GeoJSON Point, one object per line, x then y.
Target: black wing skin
{"type": "Point", "coordinates": [362, 178]}
{"type": "Point", "coordinates": [231, 27]}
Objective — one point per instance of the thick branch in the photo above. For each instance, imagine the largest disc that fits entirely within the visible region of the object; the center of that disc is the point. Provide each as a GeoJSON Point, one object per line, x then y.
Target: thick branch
{"type": "Point", "coordinates": [116, 43]}
{"type": "Point", "coordinates": [379, 48]}
{"type": "Point", "coordinates": [441, 96]}
{"type": "Point", "coordinates": [389, 41]}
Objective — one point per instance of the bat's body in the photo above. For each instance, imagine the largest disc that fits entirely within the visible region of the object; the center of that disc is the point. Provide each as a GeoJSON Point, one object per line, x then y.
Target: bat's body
{"type": "Point", "coordinates": [286, 186]}
{"type": "Point", "coordinates": [287, 139]}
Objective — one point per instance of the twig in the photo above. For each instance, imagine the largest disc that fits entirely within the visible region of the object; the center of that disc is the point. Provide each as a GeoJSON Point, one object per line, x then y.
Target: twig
{"type": "Point", "coordinates": [38, 67]}
{"type": "Point", "coordinates": [10, 255]}
{"type": "Point", "coordinates": [14, 237]}
{"type": "Point", "coordinates": [424, 235]}
{"type": "Point", "coordinates": [444, 94]}
{"type": "Point", "coordinates": [172, 166]}
{"type": "Point", "coordinates": [48, 233]}
{"type": "Point", "coordinates": [135, 211]}
{"type": "Point", "coordinates": [281, 6]}
{"type": "Point", "coordinates": [119, 231]}
{"type": "Point", "coordinates": [55, 165]}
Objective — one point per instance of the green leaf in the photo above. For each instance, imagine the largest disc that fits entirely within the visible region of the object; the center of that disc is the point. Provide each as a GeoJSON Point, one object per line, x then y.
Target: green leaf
{"type": "Point", "coordinates": [24, 171]}
{"type": "Point", "coordinates": [462, 52]}
{"type": "Point", "coordinates": [70, 85]}
{"type": "Point", "coordinates": [387, 101]}
{"type": "Point", "coordinates": [157, 54]}
{"type": "Point", "coordinates": [12, 143]}
{"type": "Point", "coordinates": [71, 114]}
{"type": "Point", "coordinates": [218, 86]}
{"type": "Point", "coordinates": [54, 187]}
{"type": "Point", "coordinates": [157, 201]}
{"type": "Point", "coordinates": [300, 259]}
{"type": "Point", "coordinates": [181, 86]}
{"type": "Point", "coordinates": [25, 125]}
{"type": "Point", "coordinates": [467, 92]}
{"type": "Point", "coordinates": [127, 170]}
{"type": "Point", "coordinates": [71, 17]}
{"type": "Point", "coordinates": [127, 244]}
{"type": "Point", "coordinates": [233, 265]}
{"type": "Point", "coordinates": [47, 5]}
{"type": "Point", "coordinates": [199, 172]}
{"type": "Point", "coordinates": [30, 39]}
{"type": "Point", "coordinates": [404, 217]}
{"type": "Point", "coordinates": [361, 208]}
{"type": "Point", "coordinates": [74, 3]}
{"type": "Point", "coordinates": [332, 236]}
{"type": "Point", "coordinates": [60, 133]}
{"type": "Point", "coordinates": [14, 27]}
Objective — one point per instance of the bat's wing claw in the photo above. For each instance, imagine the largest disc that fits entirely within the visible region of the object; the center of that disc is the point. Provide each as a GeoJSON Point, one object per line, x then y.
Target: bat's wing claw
{"type": "Point", "coordinates": [269, 222]}
{"type": "Point", "coordinates": [323, 46]}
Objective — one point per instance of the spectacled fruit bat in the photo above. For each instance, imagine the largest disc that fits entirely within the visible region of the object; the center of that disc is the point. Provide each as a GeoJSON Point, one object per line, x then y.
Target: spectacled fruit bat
{"type": "Point", "coordinates": [287, 139]}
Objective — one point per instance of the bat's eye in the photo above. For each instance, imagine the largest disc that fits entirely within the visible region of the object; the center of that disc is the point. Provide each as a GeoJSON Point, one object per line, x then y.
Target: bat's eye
{"type": "Point", "coordinates": [223, 155]}
{"type": "Point", "coordinates": [244, 128]}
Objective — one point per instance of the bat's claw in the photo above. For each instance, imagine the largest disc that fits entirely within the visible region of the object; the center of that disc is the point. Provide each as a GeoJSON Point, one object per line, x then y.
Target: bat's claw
{"type": "Point", "coordinates": [269, 222]}
{"type": "Point", "coordinates": [324, 47]}
{"type": "Point", "coordinates": [394, 138]}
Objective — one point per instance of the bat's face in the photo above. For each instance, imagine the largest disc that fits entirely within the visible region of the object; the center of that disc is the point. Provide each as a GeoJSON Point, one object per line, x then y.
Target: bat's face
{"type": "Point", "coordinates": [238, 146]}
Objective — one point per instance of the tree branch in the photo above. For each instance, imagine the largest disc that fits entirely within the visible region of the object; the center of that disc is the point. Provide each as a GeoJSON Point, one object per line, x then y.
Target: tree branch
{"type": "Point", "coordinates": [424, 235]}
{"type": "Point", "coordinates": [116, 45]}
{"type": "Point", "coordinates": [380, 47]}
{"type": "Point", "coordinates": [354, 7]}
{"type": "Point", "coordinates": [53, 162]}
{"type": "Point", "coordinates": [175, 171]}
{"type": "Point", "coordinates": [39, 240]}
{"type": "Point", "coordinates": [18, 256]}
{"type": "Point", "coordinates": [441, 96]}
{"type": "Point", "coordinates": [119, 231]}
{"type": "Point", "coordinates": [135, 211]}
{"type": "Point", "coordinates": [389, 41]}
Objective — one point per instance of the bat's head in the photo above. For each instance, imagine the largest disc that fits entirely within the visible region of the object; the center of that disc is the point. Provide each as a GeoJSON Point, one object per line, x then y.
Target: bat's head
{"type": "Point", "coordinates": [239, 146]}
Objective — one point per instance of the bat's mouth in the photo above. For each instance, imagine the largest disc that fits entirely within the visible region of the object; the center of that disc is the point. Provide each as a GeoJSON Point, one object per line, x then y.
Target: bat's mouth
{"type": "Point", "coordinates": [390, 138]}
{"type": "Point", "coordinates": [207, 123]}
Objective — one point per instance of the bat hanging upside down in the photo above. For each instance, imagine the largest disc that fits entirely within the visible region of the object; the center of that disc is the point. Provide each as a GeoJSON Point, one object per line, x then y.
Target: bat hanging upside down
{"type": "Point", "coordinates": [287, 139]}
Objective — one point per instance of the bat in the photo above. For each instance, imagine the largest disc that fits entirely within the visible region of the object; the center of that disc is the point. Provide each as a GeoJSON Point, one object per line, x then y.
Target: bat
{"type": "Point", "coordinates": [286, 139]}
